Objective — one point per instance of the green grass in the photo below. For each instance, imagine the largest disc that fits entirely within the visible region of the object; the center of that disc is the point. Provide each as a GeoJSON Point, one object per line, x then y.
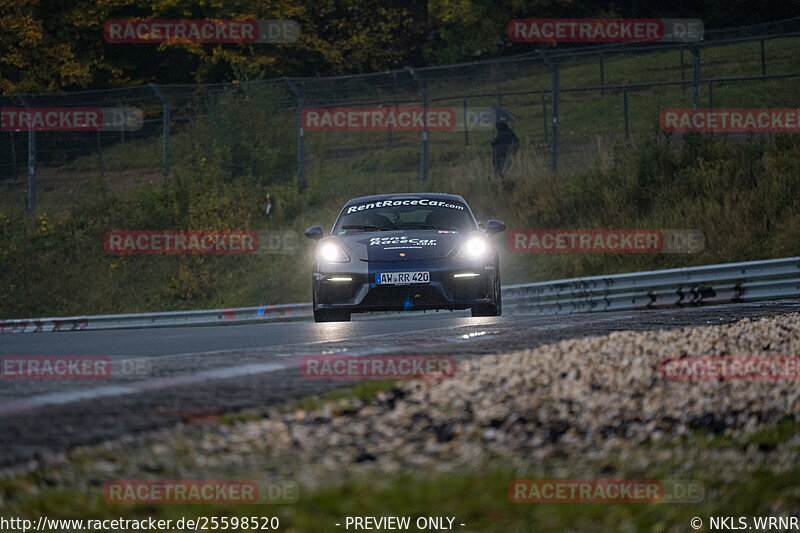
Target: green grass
{"type": "Point", "coordinates": [770, 437]}
{"type": "Point", "coordinates": [475, 495]}
{"type": "Point", "coordinates": [131, 155]}
{"type": "Point", "coordinates": [741, 191]}
{"type": "Point", "coordinates": [742, 195]}
{"type": "Point", "coordinates": [344, 397]}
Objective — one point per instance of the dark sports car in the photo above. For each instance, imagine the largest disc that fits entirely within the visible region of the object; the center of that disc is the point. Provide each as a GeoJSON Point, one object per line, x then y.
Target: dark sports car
{"type": "Point", "coordinates": [400, 252]}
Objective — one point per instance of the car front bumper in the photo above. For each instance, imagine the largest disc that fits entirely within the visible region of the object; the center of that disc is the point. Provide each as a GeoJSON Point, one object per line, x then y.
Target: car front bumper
{"type": "Point", "coordinates": [452, 286]}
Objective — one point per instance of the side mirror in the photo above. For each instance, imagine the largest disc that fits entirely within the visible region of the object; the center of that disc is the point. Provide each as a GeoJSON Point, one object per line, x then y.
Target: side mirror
{"type": "Point", "coordinates": [494, 226]}
{"type": "Point", "coordinates": [315, 232]}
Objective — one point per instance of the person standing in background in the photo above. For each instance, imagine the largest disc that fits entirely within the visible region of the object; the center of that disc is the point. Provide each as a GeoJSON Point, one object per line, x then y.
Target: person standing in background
{"type": "Point", "coordinates": [503, 146]}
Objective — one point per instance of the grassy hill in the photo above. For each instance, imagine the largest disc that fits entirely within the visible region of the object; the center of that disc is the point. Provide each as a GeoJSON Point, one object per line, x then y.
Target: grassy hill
{"type": "Point", "coordinates": [741, 190]}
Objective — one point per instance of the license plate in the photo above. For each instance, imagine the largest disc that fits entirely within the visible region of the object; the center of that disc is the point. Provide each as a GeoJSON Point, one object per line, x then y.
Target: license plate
{"type": "Point", "coordinates": [402, 278]}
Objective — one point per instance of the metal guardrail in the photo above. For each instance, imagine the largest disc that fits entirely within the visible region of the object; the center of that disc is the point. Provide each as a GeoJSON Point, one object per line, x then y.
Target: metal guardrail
{"type": "Point", "coordinates": [730, 282]}
{"type": "Point", "coordinates": [208, 317]}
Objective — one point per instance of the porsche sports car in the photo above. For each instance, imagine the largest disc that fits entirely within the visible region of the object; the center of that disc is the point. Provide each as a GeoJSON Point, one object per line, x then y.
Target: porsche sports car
{"type": "Point", "coordinates": [401, 252]}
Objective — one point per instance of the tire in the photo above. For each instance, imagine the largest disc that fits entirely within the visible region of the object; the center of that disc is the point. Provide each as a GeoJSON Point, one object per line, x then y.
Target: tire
{"type": "Point", "coordinates": [331, 315]}
{"type": "Point", "coordinates": [492, 309]}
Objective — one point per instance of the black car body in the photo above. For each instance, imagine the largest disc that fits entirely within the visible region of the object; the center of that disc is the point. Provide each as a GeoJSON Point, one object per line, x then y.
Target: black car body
{"type": "Point", "coordinates": [400, 252]}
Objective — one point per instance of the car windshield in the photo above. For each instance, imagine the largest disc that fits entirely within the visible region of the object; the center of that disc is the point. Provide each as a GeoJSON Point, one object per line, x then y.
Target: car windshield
{"type": "Point", "coordinates": [388, 215]}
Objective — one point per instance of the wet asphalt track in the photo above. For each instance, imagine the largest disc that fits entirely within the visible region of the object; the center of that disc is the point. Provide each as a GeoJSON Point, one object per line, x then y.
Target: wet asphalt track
{"type": "Point", "coordinates": [196, 373]}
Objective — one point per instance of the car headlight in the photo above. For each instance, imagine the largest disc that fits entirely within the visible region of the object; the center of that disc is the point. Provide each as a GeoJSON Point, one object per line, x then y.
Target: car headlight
{"type": "Point", "coordinates": [474, 248]}
{"type": "Point", "coordinates": [333, 253]}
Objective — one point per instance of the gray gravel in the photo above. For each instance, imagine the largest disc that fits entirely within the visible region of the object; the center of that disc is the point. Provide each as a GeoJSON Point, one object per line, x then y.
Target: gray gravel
{"type": "Point", "coordinates": [575, 400]}
{"type": "Point", "coordinates": [574, 397]}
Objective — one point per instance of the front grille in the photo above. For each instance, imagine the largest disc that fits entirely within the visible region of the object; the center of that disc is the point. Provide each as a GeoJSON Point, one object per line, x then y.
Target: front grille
{"type": "Point", "coordinates": [467, 289]}
{"type": "Point", "coordinates": [404, 297]}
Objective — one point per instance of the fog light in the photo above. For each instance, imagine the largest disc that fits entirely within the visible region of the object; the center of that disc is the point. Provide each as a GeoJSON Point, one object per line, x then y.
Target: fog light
{"type": "Point", "coordinates": [466, 275]}
{"type": "Point", "coordinates": [340, 279]}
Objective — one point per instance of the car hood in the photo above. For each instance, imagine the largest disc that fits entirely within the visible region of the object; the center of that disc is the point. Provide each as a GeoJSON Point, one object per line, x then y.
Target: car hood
{"type": "Point", "coordinates": [415, 244]}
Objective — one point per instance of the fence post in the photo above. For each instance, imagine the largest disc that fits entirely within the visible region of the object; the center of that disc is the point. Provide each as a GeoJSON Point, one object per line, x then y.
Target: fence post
{"type": "Point", "coordinates": [695, 75]}
{"type": "Point", "coordinates": [31, 163]}
{"type": "Point", "coordinates": [544, 115]}
{"type": "Point", "coordinates": [683, 73]}
{"type": "Point", "coordinates": [31, 171]}
{"type": "Point", "coordinates": [625, 108]}
{"type": "Point", "coordinates": [554, 69]}
{"type": "Point", "coordinates": [389, 105]}
{"type": "Point", "coordinates": [497, 83]}
{"type": "Point", "coordinates": [165, 131]}
{"type": "Point", "coordinates": [300, 93]}
{"type": "Point", "coordinates": [389, 126]}
{"type": "Point", "coordinates": [424, 87]}
{"type": "Point", "coordinates": [13, 158]}
{"type": "Point", "coordinates": [99, 155]}
{"type": "Point", "coordinates": [466, 129]}
{"type": "Point", "coordinates": [602, 78]}
{"type": "Point", "coordinates": [122, 129]}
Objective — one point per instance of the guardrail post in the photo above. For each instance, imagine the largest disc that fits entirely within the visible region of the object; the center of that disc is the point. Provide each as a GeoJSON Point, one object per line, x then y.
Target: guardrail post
{"type": "Point", "coordinates": [554, 69]}
{"type": "Point", "coordinates": [164, 130]}
{"type": "Point", "coordinates": [31, 163]}
{"type": "Point", "coordinates": [300, 93]}
{"type": "Point", "coordinates": [425, 105]}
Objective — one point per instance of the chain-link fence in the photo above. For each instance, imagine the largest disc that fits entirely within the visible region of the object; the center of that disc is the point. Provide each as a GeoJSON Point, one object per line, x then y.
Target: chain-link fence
{"type": "Point", "coordinates": [568, 105]}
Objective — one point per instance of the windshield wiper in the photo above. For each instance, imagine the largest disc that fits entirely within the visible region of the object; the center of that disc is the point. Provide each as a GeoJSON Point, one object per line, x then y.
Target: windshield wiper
{"type": "Point", "coordinates": [365, 227]}
{"type": "Point", "coordinates": [429, 226]}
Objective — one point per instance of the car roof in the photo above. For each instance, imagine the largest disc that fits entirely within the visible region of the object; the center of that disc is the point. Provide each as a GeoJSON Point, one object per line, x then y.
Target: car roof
{"type": "Point", "coordinates": [407, 196]}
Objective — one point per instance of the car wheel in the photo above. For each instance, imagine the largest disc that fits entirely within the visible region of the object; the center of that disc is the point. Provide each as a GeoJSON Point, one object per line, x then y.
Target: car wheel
{"type": "Point", "coordinates": [331, 315]}
{"type": "Point", "coordinates": [492, 309]}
